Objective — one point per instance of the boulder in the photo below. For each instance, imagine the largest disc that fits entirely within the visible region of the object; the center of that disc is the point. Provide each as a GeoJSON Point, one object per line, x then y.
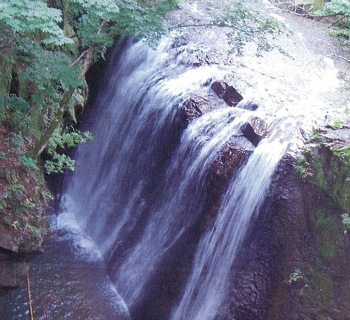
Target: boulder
{"type": "Point", "coordinates": [249, 133]}
{"type": "Point", "coordinates": [226, 92]}
{"type": "Point", "coordinates": [231, 96]}
{"type": "Point", "coordinates": [219, 87]}
{"type": "Point", "coordinates": [191, 109]}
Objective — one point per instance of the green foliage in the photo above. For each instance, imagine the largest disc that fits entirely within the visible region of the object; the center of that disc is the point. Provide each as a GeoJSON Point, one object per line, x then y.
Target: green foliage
{"type": "Point", "coordinates": [295, 276]}
{"type": "Point", "coordinates": [46, 195]}
{"type": "Point", "coordinates": [343, 152]}
{"type": "Point", "coordinates": [14, 190]}
{"type": "Point", "coordinates": [28, 161]}
{"type": "Point", "coordinates": [13, 112]}
{"type": "Point", "coordinates": [337, 124]}
{"type": "Point", "coordinates": [302, 167]}
{"type": "Point", "coordinates": [24, 209]}
{"type": "Point", "coordinates": [335, 7]}
{"type": "Point", "coordinates": [318, 5]}
{"type": "Point", "coordinates": [242, 26]}
{"type": "Point", "coordinates": [31, 16]}
{"type": "Point", "coordinates": [97, 23]}
{"type": "Point", "coordinates": [340, 32]}
{"type": "Point", "coordinates": [346, 220]}
{"type": "Point", "coordinates": [69, 138]}
{"type": "Point", "coordinates": [105, 9]}
{"type": "Point", "coordinates": [341, 27]}
{"type": "Point", "coordinates": [50, 69]}
{"type": "Point", "coordinates": [58, 163]}
{"type": "Point", "coordinates": [17, 141]}
{"type": "Point", "coordinates": [63, 139]}
{"type": "Point", "coordinates": [47, 63]}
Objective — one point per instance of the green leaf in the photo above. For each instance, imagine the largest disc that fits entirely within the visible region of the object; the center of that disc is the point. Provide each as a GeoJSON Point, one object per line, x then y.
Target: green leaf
{"type": "Point", "coordinates": [29, 16]}
{"type": "Point", "coordinates": [346, 220]}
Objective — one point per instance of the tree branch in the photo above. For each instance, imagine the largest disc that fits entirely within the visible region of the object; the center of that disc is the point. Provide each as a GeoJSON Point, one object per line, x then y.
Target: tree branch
{"type": "Point", "coordinates": [347, 60]}
{"type": "Point", "coordinates": [41, 145]}
{"type": "Point", "coordinates": [29, 296]}
{"type": "Point", "coordinates": [79, 58]}
{"type": "Point", "coordinates": [337, 21]}
{"type": "Point", "coordinates": [88, 54]}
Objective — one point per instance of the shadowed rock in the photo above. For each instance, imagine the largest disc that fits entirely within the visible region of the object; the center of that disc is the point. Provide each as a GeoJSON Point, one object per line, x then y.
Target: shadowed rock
{"type": "Point", "coordinates": [228, 93]}
{"type": "Point", "coordinates": [219, 87]}
{"type": "Point", "coordinates": [249, 133]}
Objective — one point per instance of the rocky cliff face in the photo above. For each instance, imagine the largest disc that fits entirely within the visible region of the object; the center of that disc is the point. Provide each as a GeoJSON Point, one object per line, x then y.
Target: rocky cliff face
{"type": "Point", "coordinates": [295, 263]}
{"type": "Point", "coordinates": [23, 202]}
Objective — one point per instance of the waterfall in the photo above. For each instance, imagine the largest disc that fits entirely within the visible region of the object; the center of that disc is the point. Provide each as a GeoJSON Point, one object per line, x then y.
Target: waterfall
{"type": "Point", "coordinates": [132, 138]}
{"type": "Point", "coordinates": [207, 286]}
{"type": "Point", "coordinates": [140, 189]}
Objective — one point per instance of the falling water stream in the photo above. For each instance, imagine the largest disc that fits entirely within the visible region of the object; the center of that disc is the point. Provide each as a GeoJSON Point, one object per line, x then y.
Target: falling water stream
{"type": "Point", "coordinates": [207, 286]}
{"type": "Point", "coordinates": [134, 207]}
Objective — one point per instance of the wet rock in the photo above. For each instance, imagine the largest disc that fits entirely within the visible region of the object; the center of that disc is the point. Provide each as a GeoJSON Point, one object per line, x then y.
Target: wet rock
{"type": "Point", "coordinates": [231, 96]}
{"type": "Point", "coordinates": [226, 92]}
{"type": "Point", "coordinates": [179, 42]}
{"type": "Point", "coordinates": [12, 273]}
{"type": "Point", "coordinates": [7, 239]}
{"type": "Point", "coordinates": [337, 136]}
{"type": "Point", "coordinates": [249, 133]}
{"type": "Point", "coordinates": [225, 166]}
{"type": "Point", "coordinates": [293, 264]}
{"type": "Point", "coordinates": [247, 105]}
{"type": "Point", "coordinates": [219, 87]}
{"type": "Point", "coordinates": [191, 109]}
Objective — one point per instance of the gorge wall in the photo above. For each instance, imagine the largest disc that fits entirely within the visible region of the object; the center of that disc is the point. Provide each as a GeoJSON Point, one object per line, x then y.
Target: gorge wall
{"type": "Point", "coordinates": [294, 264]}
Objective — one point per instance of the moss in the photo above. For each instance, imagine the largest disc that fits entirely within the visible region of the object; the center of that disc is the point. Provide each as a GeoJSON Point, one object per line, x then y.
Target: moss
{"type": "Point", "coordinates": [5, 79]}
{"type": "Point", "coordinates": [330, 170]}
{"type": "Point", "coordinates": [320, 177]}
{"type": "Point", "coordinates": [23, 196]}
{"type": "Point", "coordinates": [317, 296]}
{"type": "Point", "coordinates": [36, 122]}
{"type": "Point", "coordinates": [321, 286]}
{"type": "Point", "coordinates": [324, 228]}
{"type": "Point", "coordinates": [313, 295]}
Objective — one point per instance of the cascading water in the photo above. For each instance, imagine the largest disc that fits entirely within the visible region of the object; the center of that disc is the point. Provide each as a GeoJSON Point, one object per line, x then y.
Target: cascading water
{"type": "Point", "coordinates": [140, 187]}
{"type": "Point", "coordinates": [141, 234]}
{"type": "Point", "coordinates": [139, 197]}
{"type": "Point", "coordinates": [207, 286]}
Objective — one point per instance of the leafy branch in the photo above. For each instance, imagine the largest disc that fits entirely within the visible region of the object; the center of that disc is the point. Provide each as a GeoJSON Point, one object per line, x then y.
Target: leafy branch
{"type": "Point", "coordinates": [242, 26]}
{"type": "Point", "coordinates": [51, 48]}
{"type": "Point", "coordinates": [339, 28]}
